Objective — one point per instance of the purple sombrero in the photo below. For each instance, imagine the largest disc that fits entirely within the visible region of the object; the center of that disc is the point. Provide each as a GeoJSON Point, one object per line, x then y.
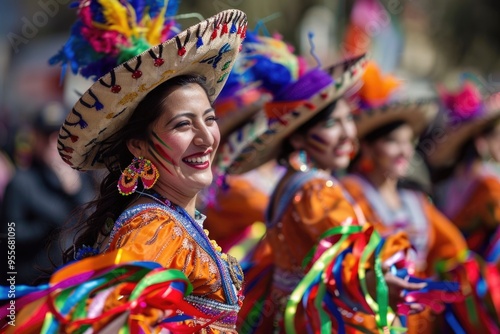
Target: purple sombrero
{"type": "Point", "coordinates": [260, 139]}
{"type": "Point", "coordinates": [263, 64]}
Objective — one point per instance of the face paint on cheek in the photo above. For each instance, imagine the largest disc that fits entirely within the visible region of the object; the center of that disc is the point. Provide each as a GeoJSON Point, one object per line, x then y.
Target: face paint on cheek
{"type": "Point", "coordinates": [158, 157]}
{"type": "Point", "coordinates": [317, 143]}
{"type": "Point", "coordinates": [158, 150]}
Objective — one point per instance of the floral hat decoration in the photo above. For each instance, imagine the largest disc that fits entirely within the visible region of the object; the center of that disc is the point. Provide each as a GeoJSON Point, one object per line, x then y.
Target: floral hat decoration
{"type": "Point", "coordinates": [129, 48]}
{"type": "Point", "coordinates": [466, 112]}
{"type": "Point", "coordinates": [264, 64]}
{"type": "Point", "coordinates": [260, 139]}
{"type": "Point", "coordinates": [381, 100]}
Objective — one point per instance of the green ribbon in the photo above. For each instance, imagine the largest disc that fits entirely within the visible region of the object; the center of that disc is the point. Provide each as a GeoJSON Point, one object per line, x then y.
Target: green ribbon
{"type": "Point", "coordinates": [59, 302]}
{"type": "Point", "coordinates": [120, 274]}
{"type": "Point", "coordinates": [350, 229]}
{"type": "Point", "coordinates": [317, 269]}
{"type": "Point", "coordinates": [381, 306]}
{"type": "Point", "coordinates": [160, 277]}
{"type": "Point", "coordinates": [369, 249]}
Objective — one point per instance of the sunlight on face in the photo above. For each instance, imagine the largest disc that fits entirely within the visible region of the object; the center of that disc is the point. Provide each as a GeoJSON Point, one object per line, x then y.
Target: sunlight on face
{"type": "Point", "coordinates": [392, 153]}
{"type": "Point", "coordinates": [330, 143]}
{"type": "Point", "coordinates": [184, 140]}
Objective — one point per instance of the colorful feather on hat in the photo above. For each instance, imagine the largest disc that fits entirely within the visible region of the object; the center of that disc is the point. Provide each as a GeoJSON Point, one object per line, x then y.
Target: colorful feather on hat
{"type": "Point", "coordinates": [110, 32]}
{"type": "Point", "coordinates": [377, 88]}
{"type": "Point", "coordinates": [268, 62]}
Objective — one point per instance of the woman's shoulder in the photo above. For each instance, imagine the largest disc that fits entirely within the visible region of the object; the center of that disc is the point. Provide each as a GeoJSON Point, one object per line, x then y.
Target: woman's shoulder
{"type": "Point", "coordinates": [147, 211]}
{"type": "Point", "coordinates": [143, 215]}
{"type": "Point", "coordinates": [303, 189]}
{"type": "Point", "coordinates": [352, 183]}
{"type": "Point", "coordinates": [314, 187]}
{"type": "Point", "coordinates": [147, 222]}
{"type": "Point", "coordinates": [312, 180]}
{"type": "Point", "coordinates": [489, 182]}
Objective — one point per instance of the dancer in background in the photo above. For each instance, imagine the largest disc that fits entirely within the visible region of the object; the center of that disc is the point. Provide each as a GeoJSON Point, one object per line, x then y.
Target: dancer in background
{"type": "Point", "coordinates": [388, 126]}
{"type": "Point", "coordinates": [469, 151]}
{"type": "Point", "coordinates": [308, 127]}
{"type": "Point", "coordinates": [470, 197]}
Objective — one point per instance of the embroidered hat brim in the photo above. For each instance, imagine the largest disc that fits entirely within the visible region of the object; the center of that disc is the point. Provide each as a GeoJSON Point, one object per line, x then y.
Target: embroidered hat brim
{"type": "Point", "coordinates": [417, 114]}
{"type": "Point", "coordinates": [236, 112]}
{"type": "Point", "coordinates": [445, 151]}
{"type": "Point", "coordinates": [207, 49]}
{"type": "Point", "coordinates": [260, 140]}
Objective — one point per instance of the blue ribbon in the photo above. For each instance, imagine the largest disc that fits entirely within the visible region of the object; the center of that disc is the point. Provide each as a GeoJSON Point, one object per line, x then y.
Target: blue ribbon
{"type": "Point", "coordinates": [453, 322]}
{"type": "Point", "coordinates": [335, 312]}
{"type": "Point", "coordinates": [337, 272]}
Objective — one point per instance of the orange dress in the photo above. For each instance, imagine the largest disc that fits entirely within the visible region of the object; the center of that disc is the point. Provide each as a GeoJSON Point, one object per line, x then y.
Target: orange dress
{"type": "Point", "coordinates": [311, 204]}
{"type": "Point", "coordinates": [473, 205]}
{"type": "Point", "coordinates": [440, 246]}
{"type": "Point", "coordinates": [234, 210]}
{"type": "Point", "coordinates": [156, 249]}
{"type": "Point", "coordinates": [175, 241]}
{"type": "Point", "coordinates": [443, 241]}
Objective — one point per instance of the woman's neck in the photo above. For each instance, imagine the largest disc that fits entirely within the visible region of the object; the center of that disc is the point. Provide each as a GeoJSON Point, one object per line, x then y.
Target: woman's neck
{"type": "Point", "coordinates": [386, 186]}
{"type": "Point", "coordinates": [186, 202]}
{"type": "Point", "coordinates": [466, 169]}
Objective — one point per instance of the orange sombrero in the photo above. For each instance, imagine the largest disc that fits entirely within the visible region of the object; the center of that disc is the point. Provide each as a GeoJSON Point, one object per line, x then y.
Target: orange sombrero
{"type": "Point", "coordinates": [466, 113]}
{"type": "Point", "coordinates": [260, 140]}
{"type": "Point", "coordinates": [207, 49]}
{"type": "Point", "coordinates": [381, 100]}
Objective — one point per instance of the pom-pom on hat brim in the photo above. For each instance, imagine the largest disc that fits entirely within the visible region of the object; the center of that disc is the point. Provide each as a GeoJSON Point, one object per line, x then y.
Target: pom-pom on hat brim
{"type": "Point", "coordinates": [260, 140]}
{"type": "Point", "coordinates": [446, 150]}
{"type": "Point", "coordinates": [207, 49]}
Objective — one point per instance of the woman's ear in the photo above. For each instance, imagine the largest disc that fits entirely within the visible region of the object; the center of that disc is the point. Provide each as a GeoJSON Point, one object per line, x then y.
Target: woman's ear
{"type": "Point", "coordinates": [297, 141]}
{"type": "Point", "coordinates": [137, 147]}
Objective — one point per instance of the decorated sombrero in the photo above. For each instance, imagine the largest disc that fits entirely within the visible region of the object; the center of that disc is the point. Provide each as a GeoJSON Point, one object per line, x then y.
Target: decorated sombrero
{"type": "Point", "coordinates": [381, 100]}
{"type": "Point", "coordinates": [260, 139]}
{"type": "Point", "coordinates": [264, 64]}
{"type": "Point", "coordinates": [466, 113]}
{"type": "Point", "coordinates": [122, 31]}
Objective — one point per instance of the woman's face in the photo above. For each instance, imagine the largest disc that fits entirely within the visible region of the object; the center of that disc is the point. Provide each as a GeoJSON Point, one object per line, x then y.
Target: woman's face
{"type": "Point", "coordinates": [392, 153]}
{"type": "Point", "coordinates": [493, 143]}
{"type": "Point", "coordinates": [184, 140]}
{"type": "Point", "coordinates": [330, 143]}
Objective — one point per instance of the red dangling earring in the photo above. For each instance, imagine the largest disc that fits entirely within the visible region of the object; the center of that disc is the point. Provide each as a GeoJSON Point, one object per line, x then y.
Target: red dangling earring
{"type": "Point", "coordinates": [366, 165]}
{"type": "Point", "coordinates": [139, 168]}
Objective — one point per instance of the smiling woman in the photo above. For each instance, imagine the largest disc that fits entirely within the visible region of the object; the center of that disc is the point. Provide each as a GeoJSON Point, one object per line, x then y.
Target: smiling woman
{"type": "Point", "coordinates": [182, 141]}
{"type": "Point", "coordinates": [387, 126]}
{"type": "Point", "coordinates": [141, 252]}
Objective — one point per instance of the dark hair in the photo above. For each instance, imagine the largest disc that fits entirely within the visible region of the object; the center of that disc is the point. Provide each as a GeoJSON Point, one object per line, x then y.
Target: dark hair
{"type": "Point", "coordinates": [373, 136]}
{"type": "Point", "coordinates": [110, 203]}
{"type": "Point", "coordinates": [468, 151]}
{"type": "Point", "coordinates": [383, 131]}
{"type": "Point", "coordinates": [321, 116]}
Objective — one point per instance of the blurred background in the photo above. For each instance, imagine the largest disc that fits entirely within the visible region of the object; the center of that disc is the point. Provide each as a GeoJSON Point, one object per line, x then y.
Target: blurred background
{"type": "Point", "coordinates": [434, 41]}
{"type": "Point", "coordinates": [424, 39]}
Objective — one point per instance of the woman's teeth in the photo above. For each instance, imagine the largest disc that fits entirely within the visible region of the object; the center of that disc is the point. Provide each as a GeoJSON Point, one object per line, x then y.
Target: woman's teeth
{"type": "Point", "coordinates": [197, 160]}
